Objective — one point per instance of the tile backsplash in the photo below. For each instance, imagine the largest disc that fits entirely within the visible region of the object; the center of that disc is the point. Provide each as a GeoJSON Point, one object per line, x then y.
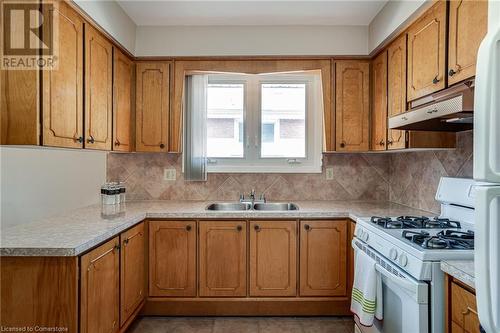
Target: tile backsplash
{"type": "Point", "coordinates": [409, 178]}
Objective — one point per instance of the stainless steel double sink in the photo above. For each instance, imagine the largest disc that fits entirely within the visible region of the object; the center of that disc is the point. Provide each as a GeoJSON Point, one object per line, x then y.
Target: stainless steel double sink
{"type": "Point", "coordinates": [260, 206]}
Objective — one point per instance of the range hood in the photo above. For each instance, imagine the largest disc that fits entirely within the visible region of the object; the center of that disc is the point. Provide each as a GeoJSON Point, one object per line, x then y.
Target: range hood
{"type": "Point", "coordinates": [450, 110]}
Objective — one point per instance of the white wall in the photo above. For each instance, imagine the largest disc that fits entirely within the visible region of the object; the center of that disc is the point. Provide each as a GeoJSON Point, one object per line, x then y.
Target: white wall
{"type": "Point", "coordinates": [251, 40]}
{"type": "Point", "coordinates": [40, 182]}
{"type": "Point", "coordinates": [112, 18]}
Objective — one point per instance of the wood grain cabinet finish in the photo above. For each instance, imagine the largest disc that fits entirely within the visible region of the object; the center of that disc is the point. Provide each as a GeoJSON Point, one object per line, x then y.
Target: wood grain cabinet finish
{"type": "Point", "coordinates": [62, 96]}
{"type": "Point", "coordinates": [462, 316]}
{"type": "Point", "coordinates": [172, 258]}
{"type": "Point", "coordinates": [352, 100]}
{"type": "Point", "coordinates": [223, 258]}
{"type": "Point", "coordinates": [273, 258]}
{"type": "Point", "coordinates": [350, 251]}
{"type": "Point", "coordinates": [123, 108]}
{"type": "Point", "coordinates": [132, 274]}
{"type": "Point", "coordinates": [98, 90]}
{"type": "Point", "coordinates": [468, 23]}
{"type": "Point", "coordinates": [379, 102]}
{"type": "Point", "coordinates": [152, 106]}
{"type": "Point", "coordinates": [426, 53]}
{"type": "Point", "coordinates": [323, 258]}
{"type": "Point", "coordinates": [100, 289]}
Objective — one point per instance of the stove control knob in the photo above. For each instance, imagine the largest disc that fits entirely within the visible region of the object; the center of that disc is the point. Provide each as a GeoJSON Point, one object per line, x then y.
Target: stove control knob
{"type": "Point", "coordinates": [366, 236]}
{"type": "Point", "coordinates": [403, 260]}
{"type": "Point", "coordinates": [393, 254]}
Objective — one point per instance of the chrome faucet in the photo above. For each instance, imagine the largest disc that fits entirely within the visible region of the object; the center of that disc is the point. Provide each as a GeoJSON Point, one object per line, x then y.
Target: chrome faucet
{"type": "Point", "coordinates": [252, 198]}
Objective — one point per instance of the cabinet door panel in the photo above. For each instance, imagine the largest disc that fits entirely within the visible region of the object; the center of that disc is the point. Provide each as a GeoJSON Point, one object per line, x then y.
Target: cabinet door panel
{"type": "Point", "coordinates": [98, 90]}
{"type": "Point", "coordinates": [273, 258]}
{"type": "Point", "coordinates": [132, 261]}
{"type": "Point", "coordinates": [122, 102]}
{"type": "Point", "coordinates": [100, 289]}
{"type": "Point", "coordinates": [426, 53]}
{"type": "Point", "coordinates": [172, 258]}
{"type": "Point", "coordinates": [352, 101]}
{"type": "Point", "coordinates": [63, 87]}
{"type": "Point", "coordinates": [223, 250]}
{"type": "Point", "coordinates": [379, 110]}
{"type": "Point", "coordinates": [350, 272]}
{"type": "Point", "coordinates": [396, 90]}
{"type": "Point", "coordinates": [323, 254]}
{"type": "Point", "coordinates": [468, 26]}
{"type": "Point", "coordinates": [464, 309]}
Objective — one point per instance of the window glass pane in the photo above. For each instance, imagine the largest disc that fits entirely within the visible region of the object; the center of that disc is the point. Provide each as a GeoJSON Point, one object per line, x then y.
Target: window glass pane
{"type": "Point", "coordinates": [225, 120]}
{"type": "Point", "coordinates": [283, 120]}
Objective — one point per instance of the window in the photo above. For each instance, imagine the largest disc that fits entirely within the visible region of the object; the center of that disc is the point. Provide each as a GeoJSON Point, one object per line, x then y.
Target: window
{"type": "Point", "coordinates": [264, 123]}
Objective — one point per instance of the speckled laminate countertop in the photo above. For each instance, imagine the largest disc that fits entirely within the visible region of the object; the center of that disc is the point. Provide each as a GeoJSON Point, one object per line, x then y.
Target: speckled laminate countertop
{"type": "Point", "coordinates": [75, 232]}
{"type": "Point", "coordinates": [462, 270]}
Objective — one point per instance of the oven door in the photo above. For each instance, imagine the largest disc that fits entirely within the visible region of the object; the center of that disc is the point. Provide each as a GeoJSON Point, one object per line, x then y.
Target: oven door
{"type": "Point", "coordinates": [405, 299]}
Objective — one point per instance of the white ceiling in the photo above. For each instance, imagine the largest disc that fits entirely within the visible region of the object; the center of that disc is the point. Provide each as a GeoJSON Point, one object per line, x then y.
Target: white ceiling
{"type": "Point", "coordinates": [256, 12]}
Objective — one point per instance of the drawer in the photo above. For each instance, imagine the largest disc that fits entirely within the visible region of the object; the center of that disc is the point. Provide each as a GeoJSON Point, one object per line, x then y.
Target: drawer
{"type": "Point", "coordinates": [463, 310]}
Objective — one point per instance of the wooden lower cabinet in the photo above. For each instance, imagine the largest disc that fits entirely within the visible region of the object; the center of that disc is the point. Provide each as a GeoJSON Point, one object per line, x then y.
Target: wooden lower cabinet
{"type": "Point", "coordinates": [461, 308]}
{"type": "Point", "coordinates": [223, 258]}
{"type": "Point", "coordinates": [323, 258]}
{"type": "Point", "coordinates": [350, 251]}
{"type": "Point", "coordinates": [273, 258]}
{"type": "Point", "coordinates": [172, 258]}
{"type": "Point", "coordinates": [100, 289]}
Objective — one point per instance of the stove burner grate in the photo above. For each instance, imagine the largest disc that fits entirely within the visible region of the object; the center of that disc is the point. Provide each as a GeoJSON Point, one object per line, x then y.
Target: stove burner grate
{"type": "Point", "coordinates": [445, 239]}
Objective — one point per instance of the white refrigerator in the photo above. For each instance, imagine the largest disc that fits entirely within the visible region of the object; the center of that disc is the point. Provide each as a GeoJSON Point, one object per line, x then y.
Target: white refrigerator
{"type": "Point", "coordinates": [487, 174]}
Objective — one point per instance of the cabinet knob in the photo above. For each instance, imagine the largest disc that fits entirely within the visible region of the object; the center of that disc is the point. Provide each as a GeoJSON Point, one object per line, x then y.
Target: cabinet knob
{"type": "Point", "coordinates": [125, 242]}
{"type": "Point", "coordinates": [188, 227]}
{"type": "Point", "coordinates": [257, 228]}
{"type": "Point", "coordinates": [342, 144]}
{"type": "Point", "coordinates": [307, 227]}
{"type": "Point", "coordinates": [117, 143]}
{"type": "Point", "coordinates": [382, 143]}
{"type": "Point", "coordinates": [162, 146]}
{"type": "Point", "coordinates": [451, 72]}
{"type": "Point", "coordinates": [79, 139]}
{"type": "Point", "coordinates": [389, 142]}
{"type": "Point", "coordinates": [117, 247]}
{"type": "Point", "coordinates": [90, 139]}
{"type": "Point", "coordinates": [239, 228]}
{"type": "Point", "coordinates": [435, 80]}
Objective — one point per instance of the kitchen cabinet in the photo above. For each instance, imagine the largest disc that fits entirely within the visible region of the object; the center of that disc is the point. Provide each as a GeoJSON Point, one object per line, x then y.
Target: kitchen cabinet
{"type": "Point", "coordinates": [461, 308]}
{"type": "Point", "coordinates": [152, 106]}
{"type": "Point", "coordinates": [132, 272]}
{"type": "Point", "coordinates": [323, 258]}
{"type": "Point", "coordinates": [123, 107]}
{"type": "Point", "coordinates": [223, 258]}
{"type": "Point", "coordinates": [379, 102]}
{"type": "Point", "coordinates": [352, 101]}
{"type": "Point", "coordinates": [100, 289]}
{"type": "Point", "coordinates": [172, 258]}
{"type": "Point", "coordinates": [468, 23]}
{"type": "Point", "coordinates": [350, 251]}
{"type": "Point", "coordinates": [273, 258]}
{"type": "Point", "coordinates": [62, 94]}
{"type": "Point", "coordinates": [396, 89]}
{"type": "Point", "coordinates": [427, 52]}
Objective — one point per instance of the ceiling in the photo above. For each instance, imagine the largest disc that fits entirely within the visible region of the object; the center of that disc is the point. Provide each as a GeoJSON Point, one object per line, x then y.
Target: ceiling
{"type": "Point", "coordinates": [256, 12]}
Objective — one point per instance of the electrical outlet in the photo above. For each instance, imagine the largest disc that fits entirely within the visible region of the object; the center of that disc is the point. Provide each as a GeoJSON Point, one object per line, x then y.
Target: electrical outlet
{"type": "Point", "coordinates": [169, 174]}
{"type": "Point", "coordinates": [329, 173]}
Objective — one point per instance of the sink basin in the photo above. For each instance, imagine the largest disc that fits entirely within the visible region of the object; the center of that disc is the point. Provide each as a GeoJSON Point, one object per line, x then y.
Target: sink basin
{"type": "Point", "coordinates": [229, 206]}
{"type": "Point", "coordinates": [275, 206]}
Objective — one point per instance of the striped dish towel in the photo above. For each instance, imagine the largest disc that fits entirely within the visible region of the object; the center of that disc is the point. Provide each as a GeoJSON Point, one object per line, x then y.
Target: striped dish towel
{"type": "Point", "coordinates": [366, 302]}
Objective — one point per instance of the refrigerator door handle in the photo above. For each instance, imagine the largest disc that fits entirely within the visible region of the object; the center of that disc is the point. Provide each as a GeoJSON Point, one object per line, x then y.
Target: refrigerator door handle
{"type": "Point", "coordinates": [486, 257]}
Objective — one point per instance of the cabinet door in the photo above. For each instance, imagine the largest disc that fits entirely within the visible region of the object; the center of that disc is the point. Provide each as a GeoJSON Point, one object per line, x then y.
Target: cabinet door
{"type": "Point", "coordinates": [463, 310]}
{"type": "Point", "coordinates": [468, 26]}
{"type": "Point", "coordinates": [396, 89]}
{"type": "Point", "coordinates": [63, 87]}
{"type": "Point", "coordinates": [223, 258]}
{"type": "Point", "coordinates": [352, 100]}
{"type": "Point", "coordinates": [100, 289]}
{"type": "Point", "coordinates": [98, 90]}
{"type": "Point", "coordinates": [273, 258]}
{"type": "Point", "coordinates": [323, 256]}
{"type": "Point", "coordinates": [379, 110]}
{"type": "Point", "coordinates": [122, 102]}
{"type": "Point", "coordinates": [132, 261]}
{"type": "Point", "coordinates": [172, 258]}
{"type": "Point", "coordinates": [152, 106]}
{"type": "Point", "coordinates": [352, 228]}
{"type": "Point", "coordinates": [426, 52]}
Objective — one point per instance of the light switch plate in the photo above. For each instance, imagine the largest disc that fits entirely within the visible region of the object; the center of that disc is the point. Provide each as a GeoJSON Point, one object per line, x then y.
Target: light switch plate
{"type": "Point", "coordinates": [169, 174]}
{"type": "Point", "coordinates": [329, 173]}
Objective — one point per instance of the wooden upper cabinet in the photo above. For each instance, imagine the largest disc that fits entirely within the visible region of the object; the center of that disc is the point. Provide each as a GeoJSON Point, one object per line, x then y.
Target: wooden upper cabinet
{"type": "Point", "coordinates": [98, 90]}
{"type": "Point", "coordinates": [323, 256]}
{"type": "Point", "coordinates": [273, 258]}
{"type": "Point", "coordinates": [352, 100]}
{"type": "Point", "coordinates": [62, 96]}
{"type": "Point", "coordinates": [123, 108]}
{"type": "Point", "coordinates": [379, 102]}
{"type": "Point", "coordinates": [172, 258]}
{"type": "Point", "coordinates": [396, 89]}
{"type": "Point", "coordinates": [132, 275]}
{"type": "Point", "coordinates": [468, 25]}
{"type": "Point", "coordinates": [100, 289]}
{"type": "Point", "coordinates": [152, 106]}
{"type": "Point", "coordinates": [223, 258]}
{"type": "Point", "coordinates": [426, 52]}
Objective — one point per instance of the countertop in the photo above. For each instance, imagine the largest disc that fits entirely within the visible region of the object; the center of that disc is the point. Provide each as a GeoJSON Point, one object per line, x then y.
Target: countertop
{"type": "Point", "coordinates": [462, 270]}
{"type": "Point", "coordinates": [75, 232]}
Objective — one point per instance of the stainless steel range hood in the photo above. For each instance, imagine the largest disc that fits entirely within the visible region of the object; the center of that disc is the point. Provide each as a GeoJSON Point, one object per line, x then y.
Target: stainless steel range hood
{"type": "Point", "coordinates": [450, 110]}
